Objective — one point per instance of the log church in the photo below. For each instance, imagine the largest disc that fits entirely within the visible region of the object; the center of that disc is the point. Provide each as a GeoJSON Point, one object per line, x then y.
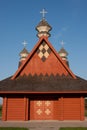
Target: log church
{"type": "Point", "coordinates": [43, 87]}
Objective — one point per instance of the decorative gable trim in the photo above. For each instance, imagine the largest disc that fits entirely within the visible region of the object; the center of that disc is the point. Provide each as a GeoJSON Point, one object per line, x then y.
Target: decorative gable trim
{"type": "Point", "coordinates": [32, 52]}
{"type": "Point", "coordinates": [43, 51]}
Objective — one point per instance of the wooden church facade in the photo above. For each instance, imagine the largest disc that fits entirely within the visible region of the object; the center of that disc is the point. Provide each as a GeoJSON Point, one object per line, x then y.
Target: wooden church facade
{"type": "Point", "coordinates": [43, 107]}
{"type": "Point", "coordinates": [43, 87]}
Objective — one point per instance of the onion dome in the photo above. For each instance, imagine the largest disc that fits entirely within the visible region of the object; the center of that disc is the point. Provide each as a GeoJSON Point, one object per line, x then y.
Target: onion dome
{"type": "Point", "coordinates": [63, 54]}
{"type": "Point", "coordinates": [23, 54]}
{"type": "Point", "coordinates": [43, 27]}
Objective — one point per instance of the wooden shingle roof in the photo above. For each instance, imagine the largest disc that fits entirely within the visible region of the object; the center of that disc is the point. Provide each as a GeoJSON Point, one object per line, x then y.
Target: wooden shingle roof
{"type": "Point", "coordinates": [43, 84]}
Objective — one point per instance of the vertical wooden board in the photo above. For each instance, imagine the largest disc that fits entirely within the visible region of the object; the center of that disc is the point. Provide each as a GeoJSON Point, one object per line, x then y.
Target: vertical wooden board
{"type": "Point", "coordinates": [27, 109]}
{"type": "Point", "coordinates": [15, 109]}
{"type": "Point", "coordinates": [82, 116]}
{"type": "Point", "coordinates": [71, 108]}
{"type": "Point", "coordinates": [61, 108]}
{"type": "Point", "coordinates": [31, 111]}
{"type": "Point", "coordinates": [4, 109]}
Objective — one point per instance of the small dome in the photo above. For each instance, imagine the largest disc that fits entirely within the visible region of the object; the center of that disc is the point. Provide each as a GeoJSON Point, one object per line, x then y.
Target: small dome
{"type": "Point", "coordinates": [24, 51]}
{"type": "Point", "coordinates": [63, 51]}
{"type": "Point", "coordinates": [23, 55]}
{"type": "Point", "coordinates": [63, 54]}
{"type": "Point", "coordinates": [43, 28]}
{"type": "Point", "coordinates": [43, 22]}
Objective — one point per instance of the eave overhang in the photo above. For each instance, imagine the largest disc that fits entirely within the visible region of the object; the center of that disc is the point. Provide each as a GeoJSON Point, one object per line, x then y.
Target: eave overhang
{"type": "Point", "coordinates": [55, 92]}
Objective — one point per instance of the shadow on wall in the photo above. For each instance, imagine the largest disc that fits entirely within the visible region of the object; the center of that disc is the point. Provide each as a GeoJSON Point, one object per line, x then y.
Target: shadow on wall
{"type": "Point", "coordinates": [86, 106]}
{"type": "Point", "coordinates": [1, 101]}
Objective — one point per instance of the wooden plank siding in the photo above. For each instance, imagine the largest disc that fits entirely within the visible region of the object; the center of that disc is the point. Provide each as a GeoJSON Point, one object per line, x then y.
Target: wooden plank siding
{"type": "Point", "coordinates": [31, 110]}
{"type": "Point", "coordinates": [72, 108]}
{"type": "Point", "coordinates": [15, 109]}
{"type": "Point", "coordinates": [51, 66]}
{"type": "Point", "coordinates": [57, 109]}
{"type": "Point", "coordinates": [22, 108]}
{"type": "Point", "coordinates": [53, 107]}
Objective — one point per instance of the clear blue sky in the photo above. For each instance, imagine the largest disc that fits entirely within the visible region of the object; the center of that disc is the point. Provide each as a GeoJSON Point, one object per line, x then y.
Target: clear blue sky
{"type": "Point", "coordinates": [18, 19]}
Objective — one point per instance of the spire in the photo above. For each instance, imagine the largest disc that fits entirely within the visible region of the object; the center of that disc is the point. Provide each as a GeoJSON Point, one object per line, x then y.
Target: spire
{"type": "Point", "coordinates": [43, 27]}
{"type": "Point", "coordinates": [63, 53]}
{"type": "Point", "coordinates": [23, 54]}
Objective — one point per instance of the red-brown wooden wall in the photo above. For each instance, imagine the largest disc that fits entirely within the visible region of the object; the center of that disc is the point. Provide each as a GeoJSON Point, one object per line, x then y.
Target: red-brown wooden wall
{"type": "Point", "coordinates": [65, 108]}
{"type": "Point", "coordinates": [71, 108]}
{"type": "Point", "coordinates": [51, 66]}
{"type": "Point", "coordinates": [15, 108]}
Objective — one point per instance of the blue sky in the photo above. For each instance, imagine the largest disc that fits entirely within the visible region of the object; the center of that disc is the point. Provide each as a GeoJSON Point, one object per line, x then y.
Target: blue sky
{"type": "Point", "coordinates": [18, 19]}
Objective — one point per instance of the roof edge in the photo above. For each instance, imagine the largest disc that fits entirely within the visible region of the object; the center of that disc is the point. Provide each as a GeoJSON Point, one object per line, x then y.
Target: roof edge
{"type": "Point", "coordinates": [55, 92]}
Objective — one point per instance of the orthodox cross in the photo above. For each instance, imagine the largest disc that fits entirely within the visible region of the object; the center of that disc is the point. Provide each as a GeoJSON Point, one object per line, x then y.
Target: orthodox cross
{"type": "Point", "coordinates": [62, 43]}
{"type": "Point", "coordinates": [24, 43]}
{"type": "Point", "coordinates": [43, 12]}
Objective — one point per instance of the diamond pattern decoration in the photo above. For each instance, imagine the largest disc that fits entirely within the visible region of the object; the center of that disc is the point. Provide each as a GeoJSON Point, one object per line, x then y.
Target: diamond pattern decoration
{"type": "Point", "coordinates": [39, 111]}
{"type": "Point", "coordinates": [43, 51]}
{"type": "Point", "coordinates": [47, 111]}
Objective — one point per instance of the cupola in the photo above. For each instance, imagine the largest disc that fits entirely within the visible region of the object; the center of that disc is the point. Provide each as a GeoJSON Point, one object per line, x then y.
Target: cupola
{"type": "Point", "coordinates": [23, 54]}
{"type": "Point", "coordinates": [63, 54]}
{"type": "Point", "coordinates": [43, 27]}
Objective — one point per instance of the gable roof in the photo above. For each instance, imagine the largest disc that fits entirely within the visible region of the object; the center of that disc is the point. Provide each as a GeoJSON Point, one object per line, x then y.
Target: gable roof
{"type": "Point", "coordinates": [32, 52]}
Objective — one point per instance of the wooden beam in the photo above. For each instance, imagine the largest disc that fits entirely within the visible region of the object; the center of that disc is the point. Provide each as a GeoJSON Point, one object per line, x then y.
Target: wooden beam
{"type": "Point", "coordinates": [62, 110]}
{"type": "Point", "coordinates": [82, 109]}
{"type": "Point", "coordinates": [4, 109]}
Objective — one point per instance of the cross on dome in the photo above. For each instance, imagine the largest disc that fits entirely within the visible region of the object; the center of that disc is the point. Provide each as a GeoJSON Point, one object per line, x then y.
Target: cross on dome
{"type": "Point", "coordinates": [62, 43]}
{"type": "Point", "coordinates": [43, 12]}
{"type": "Point", "coordinates": [24, 43]}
